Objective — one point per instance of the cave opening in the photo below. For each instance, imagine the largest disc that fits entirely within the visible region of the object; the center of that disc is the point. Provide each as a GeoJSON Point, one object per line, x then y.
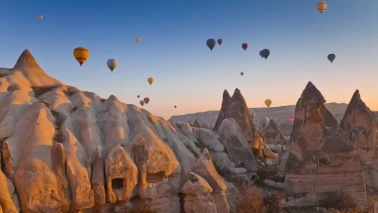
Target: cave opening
{"type": "Point", "coordinates": [117, 183]}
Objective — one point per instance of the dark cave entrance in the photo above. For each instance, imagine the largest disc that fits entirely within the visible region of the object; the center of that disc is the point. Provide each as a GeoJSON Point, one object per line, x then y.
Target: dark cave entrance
{"type": "Point", "coordinates": [117, 183]}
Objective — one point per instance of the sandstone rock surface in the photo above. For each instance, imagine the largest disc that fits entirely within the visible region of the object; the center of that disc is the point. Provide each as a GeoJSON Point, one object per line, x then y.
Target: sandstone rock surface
{"type": "Point", "coordinates": [79, 152]}
{"type": "Point", "coordinates": [322, 159]}
{"type": "Point", "coordinates": [197, 196]}
{"type": "Point", "coordinates": [360, 125]}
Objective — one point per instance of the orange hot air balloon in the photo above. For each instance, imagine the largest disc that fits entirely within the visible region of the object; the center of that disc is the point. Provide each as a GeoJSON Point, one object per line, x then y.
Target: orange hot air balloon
{"type": "Point", "coordinates": [321, 6]}
{"type": "Point", "coordinates": [81, 54]}
{"type": "Point", "coordinates": [150, 80]}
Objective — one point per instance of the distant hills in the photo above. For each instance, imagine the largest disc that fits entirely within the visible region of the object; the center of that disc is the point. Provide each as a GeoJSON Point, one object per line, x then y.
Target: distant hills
{"type": "Point", "coordinates": [280, 114]}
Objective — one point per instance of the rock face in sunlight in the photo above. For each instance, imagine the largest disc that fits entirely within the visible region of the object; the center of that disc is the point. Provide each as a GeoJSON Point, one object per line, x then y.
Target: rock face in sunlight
{"type": "Point", "coordinates": [359, 124]}
{"type": "Point", "coordinates": [322, 164]}
{"type": "Point", "coordinates": [63, 150]}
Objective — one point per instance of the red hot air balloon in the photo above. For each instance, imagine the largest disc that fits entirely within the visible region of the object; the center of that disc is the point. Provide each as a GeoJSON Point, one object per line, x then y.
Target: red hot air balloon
{"type": "Point", "coordinates": [146, 100]}
{"type": "Point", "coordinates": [244, 46]}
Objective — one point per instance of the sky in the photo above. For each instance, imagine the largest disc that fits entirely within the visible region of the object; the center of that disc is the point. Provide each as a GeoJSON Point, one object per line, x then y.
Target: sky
{"type": "Point", "coordinates": [173, 49]}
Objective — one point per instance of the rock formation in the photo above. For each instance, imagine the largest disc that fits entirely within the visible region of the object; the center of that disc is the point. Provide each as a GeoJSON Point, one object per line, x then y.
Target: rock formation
{"type": "Point", "coordinates": [359, 124]}
{"type": "Point", "coordinates": [223, 113]}
{"type": "Point", "coordinates": [322, 160]}
{"type": "Point", "coordinates": [63, 149]}
{"type": "Point", "coordinates": [236, 108]}
{"type": "Point", "coordinates": [197, 196]}
{"type": "Point", "coordinates": [272, 134]}
{"type": "Point", "coordinates": [196, 124]}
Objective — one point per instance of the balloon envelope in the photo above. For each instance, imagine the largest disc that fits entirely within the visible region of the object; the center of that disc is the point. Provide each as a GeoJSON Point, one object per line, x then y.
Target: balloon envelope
{"type": "Point", "coordinates": [141, 102]}
{"type": "Point", "coordinates": [242, 73]}
{"type": "Point", "coordinates": [220, 41]}
{"type": "Point", "coordinates": [81, 54]}
{"type": "Point", "coordinates": [244, 46]}
{"type": "Point", "coordinates": [40, 17]}
{"type": "Point", "coordinates": [137, 39]}
{"type": "Point", "coordinates": [331, 57]}
{"type": "Point", "coordinates": [321, 6]}
{"type": "Point", "coordinates": [112, 64]}
{"type": "Point", "coordinates": [138, 96]}
{"type": "Point", "coordinates": [175, 106]}
{"type": "Point", "coordinates": [268, 102]}
{"type": "Point", "coordinates": [210, 43]}
{"type": "Point", "coordinates": [261, 54]}
{"type": "Point", "coordinates": [150, 80]}
{"type": "Point", "coordinates": [265, 53]}
{"type": "Point", "coordinates": [146, 100]}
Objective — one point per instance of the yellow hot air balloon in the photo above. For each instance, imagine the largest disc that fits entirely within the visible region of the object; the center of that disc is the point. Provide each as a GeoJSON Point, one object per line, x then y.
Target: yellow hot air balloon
{"type": "Point", "coordinates": [81, 54]}
{"type": "Point", "coordinates": [150, 80]}
{"type": "Point", "coordinates": [40, 17]}
{"type": "Point", "coordinates": [137, 39]}
{"type": "Point", "coordinates": [321, 6]}
{"type": "Point", "coordinates": [268, 102]}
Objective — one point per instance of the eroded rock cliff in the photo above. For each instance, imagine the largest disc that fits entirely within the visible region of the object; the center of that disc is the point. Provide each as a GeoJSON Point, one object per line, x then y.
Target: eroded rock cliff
{"type": "Point", "coordinates": [322, 161]}
{"type": "Point", "coordinates": [63, 149]}
{"type": "Point", "coordinates": [360, 126]}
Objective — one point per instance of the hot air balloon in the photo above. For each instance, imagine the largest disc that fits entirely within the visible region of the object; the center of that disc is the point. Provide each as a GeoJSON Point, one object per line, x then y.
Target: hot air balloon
{"type": "Point", "coordinates": [244, 46]}
{"type": "Point", "coordinates": [220, 41]}
{"type": "Point", "coordinates": [268, 102]}
{"type": "Point", "coordinates": [321, 6]}
{"type": "Point", "coordinates": [150, 80]}
{"type": "Point", "coordinates": [81, 54]}
{"type": "Point", "coordinates": [331, 57]}
{"type": "Point", "coordinates": [211, 43]}
{"type": "Point", "coordinates": [40, 17]}
{"type": "Point", "coordinates": [242, 73]}
{"type": "Point", "coordinates": [137, 39]}
{"type": "Point", "coordinates": [141, 102]}
{"type": "Point", "coordinates": [175, 106]}
{"type": "Point", "coordinates": [112, 64]}
{"type": "Point", "coordinates": [146, 100]}
{"type": "Point", "coordinates": [138, 96]}
{"type": "Point", "coordinates": [264, 121]}
{"type": "Point", "coordinates": [265, 53]}
{"type": "Point", "coordinates": [261, 54]}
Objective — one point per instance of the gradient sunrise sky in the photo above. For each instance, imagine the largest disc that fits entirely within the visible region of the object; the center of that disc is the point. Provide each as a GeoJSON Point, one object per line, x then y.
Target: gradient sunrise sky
{"type": "Point", "coordinates": [173, 48]}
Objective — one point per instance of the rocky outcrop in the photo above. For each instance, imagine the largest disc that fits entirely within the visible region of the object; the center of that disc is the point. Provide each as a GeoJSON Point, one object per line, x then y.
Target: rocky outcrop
{"type": "Point", "coordinates": [197, 196]}
{"type": "Point", "coordinates": [236, 145]}
{"type": "Point", "coordinates": [206, 169]}
{"type": "Point", "coordinates": [359, 124]}
{"type": "Point", "coordinates": [8, 197]}
{"type": "Point", "coordinates": [69, 150]}
{"type": "Point", "coordinates": [272, 134]}
{"type": "Point", "coordinates": [196, 124]}
{"type": "Point", "coordinates": [236, 108]}
{"type": "Point", "coordinates": [322, 160]}
{"type": "Point", "coordinates": [223, 113]}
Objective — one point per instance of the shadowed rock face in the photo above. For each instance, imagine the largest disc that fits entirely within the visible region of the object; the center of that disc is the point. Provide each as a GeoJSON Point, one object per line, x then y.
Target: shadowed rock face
{"type": "Point", "coordinates": [196, 124]}
{"type": "Point", "coordinates": [224, 110]}
{"type": "Point", "coordinates": [67, 150]}
{"type": "Point", "coordinates": [359, 123]}
{"type": "Point", "coordinates": [360, 126]}
{"type": "Point", "coordinates": [236, 108]}
{"type": "Point", "coordinates": [321, 154]}
{"type": "Point", "coordinates": [272, 134]}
